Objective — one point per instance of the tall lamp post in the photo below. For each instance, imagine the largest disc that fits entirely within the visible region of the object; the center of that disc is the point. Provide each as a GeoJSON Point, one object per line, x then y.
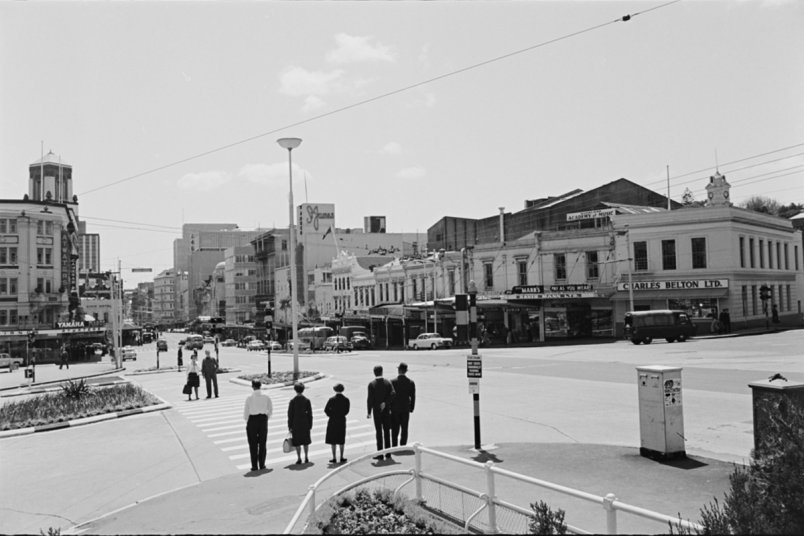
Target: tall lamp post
{"type": "Point", "coordinates": [290, 144]}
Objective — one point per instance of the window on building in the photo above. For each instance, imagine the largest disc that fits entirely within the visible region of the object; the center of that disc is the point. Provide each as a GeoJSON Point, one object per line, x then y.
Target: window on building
{"type": "Point", "coordinates": [451, 282]}
{"type": "Point", "coordinates": [795, 256]}
{"type": "Point", "coordinates": [668, 254]}
{"type": "Point", "coordinates": [12, 317]}
{"type": "Point", "coordinates": [560, 261]}
{"type": "Point", "coordinates": [770, 254]}
{"type": "Point", "coordinates": [49, 228]}
{"type": "Point", "coordinates": [779, 255]}
{"type": "Point", "coordinates": [742, 252]}
{"type": "Point", "coordinates": [488, 275]}
{"type": "Point", "coordinates": [592, 267]}
{"type": "Point", "coordinates": [415, 289]}
{"type": "Point", "coordinates": [698, 252]}
{"type": "Point", "coordinates": [522, 272]}
{"type": "Point", "coordinates": [40, 284]}
{"type": "Point", "coordinates": [751, 252]}
{"type": "Point", "coordinates": [744, 297]}
{"type": "Point", "coordinates": [761, 253]}
{"type": "Point", "coordinates": [40, 227]}
{"type": "Point", "coordinates": [789, 300]}
{"type": "Point", "coordinates": [786, 258]}
{"type": "Point", "coordinates": [3, 317]}
{"type": "Point", "coordinates": [640, 256]}
{"type": "Point", "coordinates": [753, 299]}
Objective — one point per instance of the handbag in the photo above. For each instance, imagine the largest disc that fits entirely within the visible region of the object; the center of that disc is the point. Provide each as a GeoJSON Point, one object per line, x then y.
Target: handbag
{"type": "Point", "coordinates": [187, 389]}
{"type": "Point", "coordinates": [287, 444]}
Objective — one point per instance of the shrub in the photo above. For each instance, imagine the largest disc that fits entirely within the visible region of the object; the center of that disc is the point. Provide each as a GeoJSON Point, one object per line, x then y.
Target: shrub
{"type": "Point", "coordinates": [76, 389]}
{"type": "Point", "coordinates": [545, 520]}
{"type": "Point", "coordinates": [379, 513]}
{"type": "Point", "coordinates": [767, 497]}
{"type": "Point", "coordinates": [277, 377]}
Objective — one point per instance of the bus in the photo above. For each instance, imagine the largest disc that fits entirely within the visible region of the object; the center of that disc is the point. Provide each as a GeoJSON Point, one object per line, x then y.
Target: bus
{"type": "Point", "coordinates": [315, 336]}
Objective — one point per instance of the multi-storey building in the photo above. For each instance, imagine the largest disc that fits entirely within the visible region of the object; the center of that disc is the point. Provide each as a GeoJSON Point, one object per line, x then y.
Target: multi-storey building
{"type": "Point", "coordinates": [240, 276]}
{"type": "Point", "coordinates": [38, 264]}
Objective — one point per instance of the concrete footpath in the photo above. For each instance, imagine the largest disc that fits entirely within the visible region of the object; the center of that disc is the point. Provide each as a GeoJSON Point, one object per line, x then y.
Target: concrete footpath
{"type": "Point", "coordinates": [263, 502]}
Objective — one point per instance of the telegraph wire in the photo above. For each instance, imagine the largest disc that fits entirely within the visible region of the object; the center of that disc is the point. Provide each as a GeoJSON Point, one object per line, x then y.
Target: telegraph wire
{"type": "Point", "coordinates": [381, 96]}
{"type": "Point", "coordinates": [132, 222]}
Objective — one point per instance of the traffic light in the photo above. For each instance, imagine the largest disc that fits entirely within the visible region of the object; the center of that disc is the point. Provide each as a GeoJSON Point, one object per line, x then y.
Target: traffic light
{"type": "Point", "coordinates": [31, 337]}
{"type": "Point", "coordinates": [764, 292]}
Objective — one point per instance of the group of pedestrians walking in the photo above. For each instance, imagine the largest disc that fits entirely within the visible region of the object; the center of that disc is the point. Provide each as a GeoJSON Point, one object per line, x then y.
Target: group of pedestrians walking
{"type": "Point", "coordinates": [390, 401]}
{"type": "Point", "coordinates": [208, 369]}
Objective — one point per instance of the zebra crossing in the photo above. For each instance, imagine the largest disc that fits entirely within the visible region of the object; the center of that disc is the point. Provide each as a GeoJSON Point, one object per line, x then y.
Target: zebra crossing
{"type": "Point", "coordinates": [221, 420]}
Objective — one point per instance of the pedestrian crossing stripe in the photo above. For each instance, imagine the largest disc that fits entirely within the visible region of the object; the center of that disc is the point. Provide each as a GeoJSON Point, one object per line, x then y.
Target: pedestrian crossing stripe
{"type": "Point", "coordinates": [290, 458]}
{"type": "Point", "coordinates": [221, 420]}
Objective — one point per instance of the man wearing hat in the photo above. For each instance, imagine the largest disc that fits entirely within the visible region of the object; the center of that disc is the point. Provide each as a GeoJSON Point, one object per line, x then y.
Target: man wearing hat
{"type": "Point", "coordinates": [209, 368]}
{"type": "Point", "coordinates": [402, 405]}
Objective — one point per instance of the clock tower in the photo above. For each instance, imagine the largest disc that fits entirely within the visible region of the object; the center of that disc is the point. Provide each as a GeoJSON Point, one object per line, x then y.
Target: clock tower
{"type": "Point", "coordinates": [717, 191]}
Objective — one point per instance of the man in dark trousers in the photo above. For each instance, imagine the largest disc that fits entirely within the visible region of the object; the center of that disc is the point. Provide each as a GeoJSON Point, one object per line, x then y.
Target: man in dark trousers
{"type": "Point", "coordinates": [65, 358]}
{"type": "Point", "coordinates": [402, 405]}
{"type": "Point", "coordinates": [257, 411]}
{"type": "Point", "coordinates": [380, 397]}
{"type": "Point", "coordinates": [209, 368]}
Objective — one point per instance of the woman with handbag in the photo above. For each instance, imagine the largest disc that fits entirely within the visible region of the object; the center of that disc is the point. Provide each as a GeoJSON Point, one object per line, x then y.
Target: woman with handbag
{"type": "Point", "coordinates": [337, 409]}
{"type": "Point", "coordinates": [300, 421]}
{"type": "Point", "coordinates": [193, 377]}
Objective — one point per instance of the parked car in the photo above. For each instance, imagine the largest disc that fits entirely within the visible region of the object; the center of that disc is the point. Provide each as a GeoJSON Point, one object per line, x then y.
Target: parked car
{"type": "Point", "coordinates": [161, 345]}
{"type": "Point", "coordinates": [228, 342]}
{"type": "Point", "coordinates": [98, 348]}
{"type": "Point", "coordinates": [273, 345]}
{"type": "Point", "coordinates": [302, 346]}
{"type": "Point", "coordinates": [147, 337]}
{"type": "Point", "coordinates": [209, 339]}
{"type": "Point", "coordinates": [429, 340]}
{"type": "Point", "coordinates": [337, 343]}
{"type": "Point", "coordinates": [6, 360]}
{"type": "Point", "coordinates": [255, 345]}
{"type": "Point", "coordinates": [360, 341]}
{"type": "Point", "coordinates": [644, 326]}
{"type": "Point", "coordinates": [129, 352]}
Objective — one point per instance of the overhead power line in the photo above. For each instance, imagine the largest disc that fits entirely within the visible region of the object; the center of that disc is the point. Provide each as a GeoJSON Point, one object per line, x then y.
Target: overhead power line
{"type": "Point", "coordinates": [624, 18]}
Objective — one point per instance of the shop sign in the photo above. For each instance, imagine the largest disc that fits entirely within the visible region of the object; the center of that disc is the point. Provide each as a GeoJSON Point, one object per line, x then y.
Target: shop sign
{"type": "Point", "coordinates": [66, 262]}
{"type": "Point", "coordinates": [676, 284]}
{"type": "Point", "coordinates": [553, 296]}
{"type": "Point", "coordinates": [540, 289]}
{"type": "Point", "coordinates": [591, 214]}
{"type": "Point", "coordinates": [316, 219]}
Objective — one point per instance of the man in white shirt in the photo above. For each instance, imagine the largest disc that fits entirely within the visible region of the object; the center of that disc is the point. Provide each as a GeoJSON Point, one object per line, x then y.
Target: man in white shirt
{"type": "Point", "coordinates": [256, 413]}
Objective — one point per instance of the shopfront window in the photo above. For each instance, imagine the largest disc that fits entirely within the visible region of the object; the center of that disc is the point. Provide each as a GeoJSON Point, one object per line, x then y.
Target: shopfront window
{"type": "Point", "coordinates": [700, 308]}
{"type": "Point", "coordinates": [488, 275]}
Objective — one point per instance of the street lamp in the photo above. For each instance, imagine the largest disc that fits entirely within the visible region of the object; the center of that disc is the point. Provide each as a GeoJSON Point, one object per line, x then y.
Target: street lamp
{"type": "Point", "coordinates": [290, 144]}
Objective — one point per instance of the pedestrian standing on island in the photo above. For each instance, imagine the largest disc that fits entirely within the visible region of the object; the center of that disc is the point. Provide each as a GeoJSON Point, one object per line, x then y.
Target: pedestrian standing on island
{"type": "Point", "coordinates": [300, 421]}
{"type": "Point", "coordinates": [726, 321]}
{"type": "Point", "coordinates": [209, 368]}
{"type": "Point", "coordinates": [192, 376]}
{"type": "Point", "coordinates": [217, 352]}
{"type": "Point", "coordinates": [337, 409]}
{"type": "Point", "coordinates": [380, 396]}
{"type": "Point", "coordinates": [402, 405]}
{"type": "Point", "coordinates": [179, 359]}
{"type": "Point", "coordinates": [65, 358]}
{"type": "Point", "coordinates": [256, 413]}
{"type": "Point", "coordinates": [774, 315]}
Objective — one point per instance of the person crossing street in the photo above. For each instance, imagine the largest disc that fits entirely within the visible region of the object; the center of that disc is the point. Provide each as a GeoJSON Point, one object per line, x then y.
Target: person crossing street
{"type": "Point", "coordinates": [209, 368]}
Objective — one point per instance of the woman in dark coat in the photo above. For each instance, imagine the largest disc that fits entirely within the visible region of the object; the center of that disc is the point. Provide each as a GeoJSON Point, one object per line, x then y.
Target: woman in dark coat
{"type": "Point", "coordinates": [300, 421]}
{"type": "Point", "coordinates": [337, 409]}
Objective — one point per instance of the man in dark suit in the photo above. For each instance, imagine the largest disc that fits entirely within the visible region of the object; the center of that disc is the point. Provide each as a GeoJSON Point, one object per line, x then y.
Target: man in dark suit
{"type": "Point", "coordinates": [380, 397]}
{"type": "Point", "coordinates": [402, 405]}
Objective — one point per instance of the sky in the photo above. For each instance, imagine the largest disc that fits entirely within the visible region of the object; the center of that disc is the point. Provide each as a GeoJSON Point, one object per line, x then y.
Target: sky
{"type": "Point", "coordinates": [169, 112]}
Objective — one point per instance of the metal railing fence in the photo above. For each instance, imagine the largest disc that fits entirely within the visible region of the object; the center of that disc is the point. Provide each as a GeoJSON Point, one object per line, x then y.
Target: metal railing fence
{"type": "Point", "coordinates": [484, 510]}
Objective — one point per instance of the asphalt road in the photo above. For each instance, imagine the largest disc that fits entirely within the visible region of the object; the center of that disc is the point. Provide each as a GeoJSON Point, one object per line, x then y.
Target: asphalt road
{"type": "Point", "coordinates": [564, 394]}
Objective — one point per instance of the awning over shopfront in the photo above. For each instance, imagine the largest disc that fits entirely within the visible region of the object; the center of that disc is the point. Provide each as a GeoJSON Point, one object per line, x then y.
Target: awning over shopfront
{"type": "Point", "coordinates": [671, 294]}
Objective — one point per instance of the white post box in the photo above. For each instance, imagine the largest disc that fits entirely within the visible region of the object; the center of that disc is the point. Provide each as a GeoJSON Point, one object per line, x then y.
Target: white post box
{"type": "Point", "coordinates": [661, 416]}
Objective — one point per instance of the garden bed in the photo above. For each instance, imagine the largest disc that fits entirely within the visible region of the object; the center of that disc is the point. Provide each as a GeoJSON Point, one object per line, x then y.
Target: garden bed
{"type": "Point", "coordinates": [284, 377]}
{"type": "Point", "coordinates": [76, 400]}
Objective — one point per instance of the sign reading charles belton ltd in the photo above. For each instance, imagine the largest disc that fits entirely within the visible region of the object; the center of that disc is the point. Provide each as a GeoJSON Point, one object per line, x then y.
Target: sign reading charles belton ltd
{"type": "Point", "coordinates": [676, 284]}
